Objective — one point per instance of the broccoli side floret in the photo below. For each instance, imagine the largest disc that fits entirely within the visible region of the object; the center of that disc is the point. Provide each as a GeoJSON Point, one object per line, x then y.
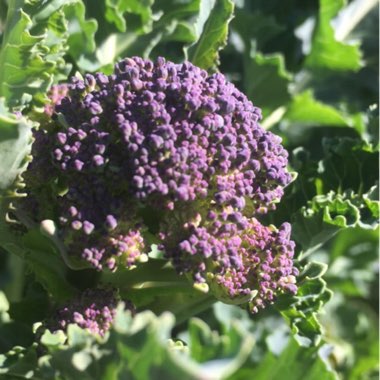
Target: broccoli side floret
{"type": "Point", "coordinates": [92, 309]}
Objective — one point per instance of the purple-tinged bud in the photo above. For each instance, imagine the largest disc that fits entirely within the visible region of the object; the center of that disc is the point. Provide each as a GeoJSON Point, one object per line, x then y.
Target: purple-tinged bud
{"type": "Point", "coordinates": [78, 165]}
{"type": "Point", "coordinates": [76, 225]}
{"type": "Point", "coordinates": [111, 222]}
{"type": "Point", "coordinates": [88, 227]}
{"type": "Point", "coordinates": [98, 160]}
{"type": "Point", "coordinates": [62, 138]}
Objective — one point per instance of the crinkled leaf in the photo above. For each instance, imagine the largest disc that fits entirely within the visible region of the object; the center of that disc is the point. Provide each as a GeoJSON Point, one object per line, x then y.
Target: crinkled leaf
{"type": "Point", "coordinates": [348, 164]}
{"type": "Point", "coordinates": [325, 215]}
{"type": "Point", "coordinates": [326, 51]}
{"type": "Point", "coordinates": [28, 61]}
{"type": "Point", "coordinates": [138, 347]}
{"type": "Point", "coordinates": [81, 32]}
{"type": "Point", "coordinates": [334, 189]}
{"type": "Point", "coordinates": [23, 70]}
{"type": "Point", "coordinates": [36, 38]}
{"type": "Point", "coordinates": [301, 310]}
{"type": "Point", "coordinates": [115, 10]}
{"type": "Point", "coordinates": [344, 178]}
{"type": "Point", "coordinates": [212, 29]}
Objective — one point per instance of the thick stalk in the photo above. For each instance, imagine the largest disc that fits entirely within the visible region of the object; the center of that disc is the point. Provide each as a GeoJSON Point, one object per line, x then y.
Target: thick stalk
{"type": "Point", "coordinates": [156, 286]}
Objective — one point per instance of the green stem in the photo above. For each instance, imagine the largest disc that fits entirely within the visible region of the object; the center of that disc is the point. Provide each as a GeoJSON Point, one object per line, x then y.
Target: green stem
{"type": "Point", "coordinates": [156, 286]}
{"type": "Point", "coordinates": [153, 271]}
{"type": "Point", "coordinates": [183, 305]}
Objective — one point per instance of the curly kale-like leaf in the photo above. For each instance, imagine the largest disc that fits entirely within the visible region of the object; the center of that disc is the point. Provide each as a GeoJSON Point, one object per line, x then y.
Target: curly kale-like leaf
{"type": "Point", "coordinates": [81, 32]}
{"type": "Point", "coordinates": [116, 10]}
{"type": "Point", "coordinates": [335, 189]}
{"type": "Point", "coordinates": [27, 61]}
{"type": "Point", "coordinates": [301, 310]}
{"type": "Point", "coordinates": [36, 37]}
{"type": "Point", "coordinates": [325, 215]}
{"type": "Point", "coordinates": [138, 347]}
{"type": "Point", "coordinates": [347, 173]}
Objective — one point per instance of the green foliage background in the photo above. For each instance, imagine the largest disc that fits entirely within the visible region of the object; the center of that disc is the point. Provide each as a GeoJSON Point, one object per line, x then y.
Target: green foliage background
{"type": "Point", "coordinates": [312, 66]}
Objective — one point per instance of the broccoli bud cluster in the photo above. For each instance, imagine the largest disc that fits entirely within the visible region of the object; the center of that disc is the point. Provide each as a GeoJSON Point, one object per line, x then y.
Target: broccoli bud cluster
{"type": "Point", "coordinates": [169, 140]}
{"type": "Point", "coordinates": [93, 309]}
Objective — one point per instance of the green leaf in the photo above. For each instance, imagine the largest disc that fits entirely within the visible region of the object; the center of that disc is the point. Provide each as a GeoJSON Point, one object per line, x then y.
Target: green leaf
{"type": "Point", "coordinates": [12, 333]}
{"type": "Point", "coordinates": [212, 29]}
{"type": "Point", "coordinates": [36, 38]}
{"type": "Point", "coordinates": [48, 268]}
{"type": "Point", "coordinates": [81, 32]}
{"type": "Point", "coordinates": [344, 179]}
{"type": "Point", "coordinates": [256, 26]}
{"type": "Point", "coordinates": [19, 67]}
{"type": "Point", "coordinates": [26, 65]}
{"type": "Point", "coordinates": [352, 256]}
{"type": "Point", "coordinates": [221, 355]}
{"type": "Point", "coordinates": [136, 347]}
{"type": "Point", "coordinates": [57, 338]}
{"type": "Point", "coordinates": [39, 254]}
{"type": "Point", "coordinates": [304, 109]}
{"type": "Point", "coordinates": [352, 330]}
{"type": "Point", "coordinates": [294, 363]}
{"type": "Point", "coordinates": [140, 348]}
{"type": "Point", "coordinates": [266, 81]}
{"type": "Point", "coordinates": [348, 164]}
{"type": "Point", "coordinates": [325, 215]}
{"type": "Point", "coordinates": [302, 309]}
{"type": "Point", "coordinates": [115, 10]}
{"type": "Point", "coordinates": [15, 144]}
{"type": "Point", "coordinates": [326, 51]}
{"type": "Point", "coordinates": [18, 363]}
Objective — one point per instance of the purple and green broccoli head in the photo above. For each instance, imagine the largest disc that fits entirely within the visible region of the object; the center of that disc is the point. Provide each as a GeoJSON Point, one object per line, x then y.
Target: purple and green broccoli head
{"type": "Point", "coordinates": [169, 140]}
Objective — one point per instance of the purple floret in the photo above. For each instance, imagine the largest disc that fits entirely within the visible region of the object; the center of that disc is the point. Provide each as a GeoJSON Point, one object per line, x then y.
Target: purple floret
{"type": "Point", "coordinates": [168, 140]}
{"type": "Point", "coordinates": [173, 133]}
{"type": "Point", "coordinates": [252, 263]}
{"type": "Point", "coordinates": [94, 309]}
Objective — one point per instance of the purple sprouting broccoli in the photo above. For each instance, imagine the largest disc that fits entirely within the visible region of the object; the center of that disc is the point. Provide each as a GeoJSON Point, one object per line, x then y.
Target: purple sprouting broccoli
{"type": "Point", "coordinates": [94, 309]}
{"type": "Point", "coordinates": [252, 266]}
{"type": "Point", "coordinates": [170, 143]}
{"type": "Point", "coordinates": [240, 260]}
